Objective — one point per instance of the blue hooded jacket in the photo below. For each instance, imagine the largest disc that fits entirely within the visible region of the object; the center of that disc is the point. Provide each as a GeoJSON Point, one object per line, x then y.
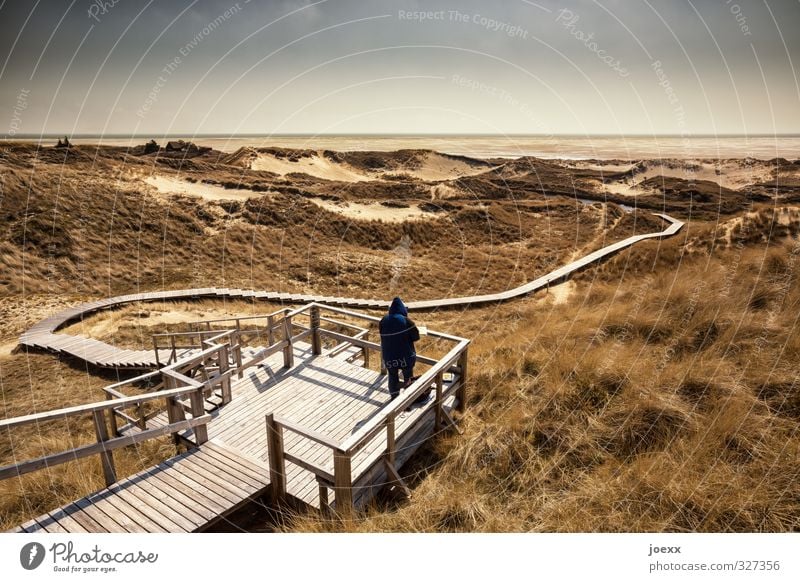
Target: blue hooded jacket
{"type": "Point", "coordinates": [398, 334]}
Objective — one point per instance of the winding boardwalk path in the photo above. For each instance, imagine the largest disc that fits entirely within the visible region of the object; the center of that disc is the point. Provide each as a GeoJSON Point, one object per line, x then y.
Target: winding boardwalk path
{"type": "Point", "coordinates": [43, 336]}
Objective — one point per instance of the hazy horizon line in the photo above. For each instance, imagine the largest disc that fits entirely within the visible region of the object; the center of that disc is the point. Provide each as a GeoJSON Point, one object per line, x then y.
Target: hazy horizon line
{"type": "Point", "coordinates": [54, 135]}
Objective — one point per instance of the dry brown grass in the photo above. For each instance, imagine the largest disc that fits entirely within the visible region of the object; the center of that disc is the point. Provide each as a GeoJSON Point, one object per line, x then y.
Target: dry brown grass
{"type": "Point", "coordinates": [32, 382]}
{"type": "Point", "coordinates": [667, 401]}
{"type": "Point", "coordinates": [89, 226]}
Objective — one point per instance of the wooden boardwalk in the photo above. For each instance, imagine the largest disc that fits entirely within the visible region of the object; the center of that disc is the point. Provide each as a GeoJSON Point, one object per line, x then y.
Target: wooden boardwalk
{"type": "Point", "coordinates": [294, 419]}
{"type": "Point", "coordinates": [324, 394]}
{"type": "Point", "coordinates": [43, 336]}
{"type": "Point", "coordinates": [186, 493]}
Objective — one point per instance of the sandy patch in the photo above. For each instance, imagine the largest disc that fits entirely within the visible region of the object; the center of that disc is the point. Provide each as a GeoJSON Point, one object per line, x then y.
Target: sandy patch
{"type": "Point", "coordinates": [559, 294]}
{"type": "Point", "coordinates": [436, 167]}
{"type": "Point", "coordinates": [374, 211]}
{"type": "Point", "coordinates": [170, 185]}
{"type": "Point", "coordinates": [317, 166]}
{"type": "Point", "coordinates": [105, 324]}
{"type": "Point", "coordinates": [6, 348]}
{"type": "Point", "coordinates": [600, 167]}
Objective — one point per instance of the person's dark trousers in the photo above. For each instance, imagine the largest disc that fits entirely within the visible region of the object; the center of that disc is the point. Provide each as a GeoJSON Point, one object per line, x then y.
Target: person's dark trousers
{"type": "Point", "coordinates": [394, 378]}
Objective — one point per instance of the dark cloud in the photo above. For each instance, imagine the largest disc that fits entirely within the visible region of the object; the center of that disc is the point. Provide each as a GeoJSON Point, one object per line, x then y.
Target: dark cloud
{"type": "Point", "coordinates": [346, 65]}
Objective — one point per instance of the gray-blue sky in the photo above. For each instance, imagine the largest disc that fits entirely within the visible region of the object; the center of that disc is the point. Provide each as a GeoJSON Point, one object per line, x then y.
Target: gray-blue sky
{"type": "Point", "coordinates": [341, 66]}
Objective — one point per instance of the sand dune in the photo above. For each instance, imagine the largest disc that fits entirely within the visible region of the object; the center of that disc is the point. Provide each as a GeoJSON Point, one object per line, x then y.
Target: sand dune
{"type": "Point", "coordinates": [358, 166]}
{"type": "Point", "coordinates": [316, 166]}
{"type": "Point", "coordinates": [435, 166]}
{"type": "Point", "coordinates": [733, 174]}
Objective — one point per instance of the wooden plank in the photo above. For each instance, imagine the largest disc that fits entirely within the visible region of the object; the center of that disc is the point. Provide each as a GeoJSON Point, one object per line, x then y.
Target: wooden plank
{"type": "Point", "coordinates": [86, 521]}
{"type": "Point", "coordinates": [125, 523]}
{"type": "Point", "coordinates": [199, 500]}
{"type": "Point", "coordinates": [205, 490]}
{"type": "Point", "coordinates": [150, 495]}
{"type": "Point", "coordinates": [235, 471]}
{"type": "Point", "coordinates": [326, 409]}
{"type": "Point", "coordinates": [234, 493]}
{"type": "Point", "coordinates": [299, 397]}
{"type": "Point", "coordinates": [133, 511]}
{"type": "Point", "coordinates": [106, 523]}
{"type": "Point", "coordinates": [252, 467]}
{"type": "Point", "coordinates": [66, 521]}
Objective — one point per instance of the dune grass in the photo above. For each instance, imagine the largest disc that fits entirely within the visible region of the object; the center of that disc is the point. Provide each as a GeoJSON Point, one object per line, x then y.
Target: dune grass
{"type": "Point", "coordinates": [667, 401]}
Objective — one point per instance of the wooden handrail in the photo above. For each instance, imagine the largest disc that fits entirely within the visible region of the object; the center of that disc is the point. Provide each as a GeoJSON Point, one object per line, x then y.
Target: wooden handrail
{"type": "Point", "coordinates": [185, 379]}
{"type": "Point", "coordinates": [359, 438]}
{"type": "Point", "coordinates": [364, 316]}
{"type": "Point", "coordinates": [121, 403]}
{"type": "Point", "coordinates": [307, 433]}
{"type": "Point", "coordinates": [136, 379]}
{"type": "Point", "coordinates": [346, 344]}
{"type": "Point", "coordinates": [343, 324]}
{"type": "Point", "coordinates": [201, 332]}
{"type": "Point", "coordinates": [362, 343]}
{"type": "Point", "coordinates": [244, 318]}
{"type": "Point", "coordinates": [99, 448]}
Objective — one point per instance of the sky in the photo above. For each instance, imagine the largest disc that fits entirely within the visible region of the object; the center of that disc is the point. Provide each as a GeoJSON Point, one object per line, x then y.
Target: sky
{"type": "Point", "coordinates": [157, 67]}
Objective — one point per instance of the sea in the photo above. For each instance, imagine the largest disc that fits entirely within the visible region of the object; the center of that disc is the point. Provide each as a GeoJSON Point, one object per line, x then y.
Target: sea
{"type": "Point", "coordinates": [599, 147]}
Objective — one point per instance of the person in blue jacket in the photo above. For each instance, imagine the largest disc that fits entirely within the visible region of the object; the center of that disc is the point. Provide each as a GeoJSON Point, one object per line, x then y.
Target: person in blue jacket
{"type": "Point", "coordinates": [398, 334]}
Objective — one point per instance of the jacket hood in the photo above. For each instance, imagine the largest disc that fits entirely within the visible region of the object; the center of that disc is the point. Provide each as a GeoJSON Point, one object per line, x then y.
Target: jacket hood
{"type": "Point", "coordinates": [398, 307]}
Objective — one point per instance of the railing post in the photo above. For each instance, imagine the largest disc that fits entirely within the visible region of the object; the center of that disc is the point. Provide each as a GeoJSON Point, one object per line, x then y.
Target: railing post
{"type": "Point", "coordinates": [142, 420]}
{"type": "Point", "coordinates": [392, 476]}
{"type": "Point", "coordinates": [288, 351]}
{"type": "Point", "coordinates": [462, 390]}
{"type": "Point", "coordinates": [438, 404]}
{"type": "Point", "coordinates": [390, 440]}
{"type": "Point", "coordinates": [155, 348]}
{"type": "Point", "coordinates": [106, 458]}
{"type": "Point", "coordinates": [277, 463]}
{"type": "Point", "coordinates": [270, 331]}
{"type": "Point", "coordinates": [223, 369]}
{"type": "Point", "coordinates": [316, 340]}
{"type": "Point", "coordinates": [365, 351]}
{"type": "Point", "coordinates": [237, 354]}
{"type": "Point", "coordinates": [343, 482]}
{"type": "Point", "coordinates": [198, 409]}
{"type": "Point", "coordinates": [175, 410]}
{"type": "Point", "coordinates": [324, 506]}
{"type": "Point", "coordinates": [112, 417]}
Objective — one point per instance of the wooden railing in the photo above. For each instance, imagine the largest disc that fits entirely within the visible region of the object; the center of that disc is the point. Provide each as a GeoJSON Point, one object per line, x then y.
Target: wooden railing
{"type": "Point", "coordinates": [342, 479]}
{"type": "Point", "coordinates": [253, 329]}
{"type": "Point", "coordinates": [107, 441]}
{"type": "Point", "coordinates": [173, 385]}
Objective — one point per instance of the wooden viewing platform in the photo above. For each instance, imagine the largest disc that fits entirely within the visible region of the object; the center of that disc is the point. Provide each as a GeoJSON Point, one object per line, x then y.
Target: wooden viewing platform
{"type": "Point", "coordinates": [302, 418]}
